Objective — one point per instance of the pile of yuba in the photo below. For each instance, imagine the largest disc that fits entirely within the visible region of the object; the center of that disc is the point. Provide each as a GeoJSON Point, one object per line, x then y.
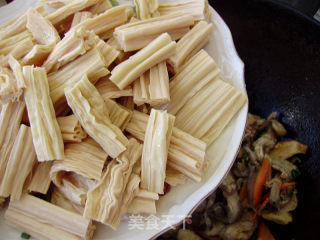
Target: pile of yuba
{"type": "Point", "coordinates": [103, 106]}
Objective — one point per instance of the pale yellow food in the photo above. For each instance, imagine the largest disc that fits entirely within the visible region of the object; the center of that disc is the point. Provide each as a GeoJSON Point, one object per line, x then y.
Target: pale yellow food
{"type": "Point", "coordinates": [67, 10]}
{"type": "Point", "coordinates": [9, 45]}
{"type": "Point", "coordinates": [207, 113]}
{"type": "Point", "coordinates": [186, 153]}
{"type": "Point", "coordinates": [146, 8]}
{"type": "Point", "coordinates": [193, 76]}
{"type": "Point", "coordinates": [199, 9]}
{"type": "Point", "coordinates": [21, 160]}
{"type": "Point", "coordinates": [42, 29]}
{"type": "Point", "coordinates": [155, 150]}
{"type": "Point", "coordinates": [40, 178]}
{"type": "Point", "coordinates": [119, 115]}
{"type": "Point", "coordinates": [58, 199]}
{"type": "Point", "coordinates": [10, 118]}
{"type": "Point", "coordinates": [104, 201]}
{"type": "Point", "coordinates": [108, 89]}
{"type": "Point", "coordinates": [86, 158]}
{"type": "Point", "coordinates": [44, 220]}
{"type": "Point", "coordinates": [100, 7]}
{"type": "Point", "coordinates": [90, 109]}
{"type": "Point", "coordinates": [10, 87]}
{"type": "Point", "coordinates": [110, 157]}
{"type": "Point", "coordinates": [152, 87]}
{"type": "Point", "coordinates": [45, 129]}
{"type": "Point", "coordinates": [191, 43]}
{"type": "Point", "coordinates": [137, 35]}
{"type": "Point", "coordinates": [132, 188]}
{"type": "Point", "coordinates": [91, 64]}
{"type": "Point", "coordinates": [155, 52]}
{"type": "Point", "coordinates": [74, 44]}
{"type": "Point", "coordinates": [174, 177]}
{"type": "Point", "coordinates": [142, 205]}
{"type": "Point", "coordinates": [71, 129]}
{"type": "Point", "coordinates": [105, 22]}
{"type": "Point", "coordinates": [79, 17]}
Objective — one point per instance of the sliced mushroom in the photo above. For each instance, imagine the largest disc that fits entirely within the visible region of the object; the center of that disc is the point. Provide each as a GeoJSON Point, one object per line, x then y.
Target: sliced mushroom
{"type": "Point", "coordinates": [252, 156]}
{"type": "Point", "coordinates": [265, 143]}
{"type": "Point", "coordinates": [283, 216]}
{"type": "Point", "coordinates": [287, 149]}
{"type": "Point", "coordinates": [275, 190]}
{"type": "Point", "coordinates": [238, 230]}
{"type": "Point", "coordinates": [278, 128]}
{"type": "Point", "coordinates": [284, 166]}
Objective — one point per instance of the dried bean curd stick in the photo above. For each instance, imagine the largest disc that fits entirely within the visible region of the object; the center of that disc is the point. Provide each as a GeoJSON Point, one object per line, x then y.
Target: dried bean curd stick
{"type": "Point", "coordinates": [153, 86]}
{"type": "Point", "coordinates": [40, 181]}
{"type": "Point", "coordinates": [137, 35]}
{"type": "Point", "coordinates": [191, 43]}
{"type": "Point", "coordinates": [10, 88]}
{"type": "Point", "coordinates": [21, 160]}
{"type": "Point", "coordinates": [44, 220]}
{"type": "Point", "coordinates": [193, 75]}
{"type": "Point", "coordinates": [86, 158]}
{"type": "Point", "coordinates": [129, 194]}
{"type": "Point", "coordinates": [45, 129]}
{"type": "Point", "coordinates": [79, 17]}
{"type": "Point", "coordinates": [91, 64]}
{"type": "Point", "coordinates": [90, 109]}
{"type": "Point", "coordinates": [142, 205]}
{"type": "Point", "coordinates": [119, 115]}
{"type": "Point", "coordinates": [186, 153]}
{"type": "Point", "coordinates": [105, 199]}
{"type": "Point", "coordinates": [71, 129]}
{"type": "Point", "coordinates": [108, 89]}
{"type": "Point", "coordinates": [207, 113]}
{"type": "Point", "coordinates": [155, 52]}
{"type": "Point", "coordinates": [155, 150]}
{"type": "Point", "coordinates": [100, 7]}
{"type": "Point", "coordinates": [10, 118]}
{"type": "Point", "coordinates": [67, 10]}
{"type": "Point", "coordinates": [108, 20]}
{"type": "Point", "coordinates": [199, 9]}
{"type": "Point", "coordinates": [58, 199]}
{"type": "Point", "coordinates": [146, 8]}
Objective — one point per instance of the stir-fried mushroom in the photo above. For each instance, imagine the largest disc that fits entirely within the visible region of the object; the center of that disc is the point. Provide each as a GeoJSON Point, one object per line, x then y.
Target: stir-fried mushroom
{"type": "Point", "coordinates": [287, 149]}
{"type": "Point", "coordinates": [254, 123]}
{"type": "Point", "coordinates": [286, 168]}
{"type": "Point", "coordinates": [265, 143]}
{"type": "Point", "coordinates": [260, 185]}
{"type": "Point", "coordinates": [238, 230]}
{"type": "Point", "coordinates": [283, 216]}
{"type": "Point", "coordinates": [275, 190]}
{"type": "Point", "coordinates": [278, 128]}
{"type": "Point", "coordinates": [252, 156]}
{"type": "Point", "coordinates": [230, 212]}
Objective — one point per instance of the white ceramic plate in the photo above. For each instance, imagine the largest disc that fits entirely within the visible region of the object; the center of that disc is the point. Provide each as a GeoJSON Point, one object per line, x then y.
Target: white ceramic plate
{"type": "Point", "coordinates": [181, 200]}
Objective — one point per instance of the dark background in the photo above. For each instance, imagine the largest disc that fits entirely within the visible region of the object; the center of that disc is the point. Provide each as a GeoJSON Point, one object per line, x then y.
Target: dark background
{"type": "Point", "coordinates": [279, 42]}
{"type": "Point", "coordinates": [280, 47]}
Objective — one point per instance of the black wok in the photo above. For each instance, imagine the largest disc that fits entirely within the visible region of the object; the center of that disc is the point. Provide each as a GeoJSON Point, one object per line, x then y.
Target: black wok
{"type": "Point", "coordinates": [280, 47]}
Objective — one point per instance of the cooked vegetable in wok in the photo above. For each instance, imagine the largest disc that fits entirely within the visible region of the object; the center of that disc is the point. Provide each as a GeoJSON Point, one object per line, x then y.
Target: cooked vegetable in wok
{"type": "Point", "coordinates": [260, 187]}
